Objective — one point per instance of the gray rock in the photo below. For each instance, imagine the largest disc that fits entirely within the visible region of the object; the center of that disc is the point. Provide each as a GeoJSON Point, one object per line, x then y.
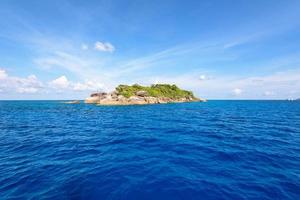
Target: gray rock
{"type": "Point", "coordinates": [142, 93]}
{"type": "Point", "coordinates": [98, 94]}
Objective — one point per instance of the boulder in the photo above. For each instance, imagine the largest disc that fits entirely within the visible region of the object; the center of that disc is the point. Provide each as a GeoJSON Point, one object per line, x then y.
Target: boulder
{"type": "Point", "coordinates": [183, 99]}
{"type": "Point", "coordinates": [142, 93]}
{"type": "Point", "coordinates": [136, 100]}
{"type": "Point", "coordinates": [114, 94]}
{"type": "Point", "coordinates": [164, 100]}
{"type": "Point", "coordinates": [94, 99]}
{"type": "Point", "coordinates": [98, 94]}
{"type": "Point", "coordinates": [151, 100]}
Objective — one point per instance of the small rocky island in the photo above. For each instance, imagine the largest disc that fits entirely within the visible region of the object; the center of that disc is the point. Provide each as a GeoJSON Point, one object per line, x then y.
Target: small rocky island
{"type": "Point", "coordinates": [139, 95]}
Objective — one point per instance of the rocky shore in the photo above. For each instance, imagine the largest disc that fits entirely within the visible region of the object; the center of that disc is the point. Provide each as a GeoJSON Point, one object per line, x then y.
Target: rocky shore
{"type": "Point", "coordinates": [139, 97]}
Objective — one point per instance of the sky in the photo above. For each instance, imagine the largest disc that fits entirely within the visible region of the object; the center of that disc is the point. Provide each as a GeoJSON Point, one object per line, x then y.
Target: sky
{"type": "Point", "coordinates": [219, 49]}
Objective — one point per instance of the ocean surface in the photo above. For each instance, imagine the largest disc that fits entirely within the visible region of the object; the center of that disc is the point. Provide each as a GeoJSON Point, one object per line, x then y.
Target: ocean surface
{"type": "Point", "coordinates": [214, 150]}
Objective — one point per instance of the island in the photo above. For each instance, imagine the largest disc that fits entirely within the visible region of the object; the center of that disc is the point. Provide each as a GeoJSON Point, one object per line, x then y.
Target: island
{"type": "Point", "coordinates": [140, 95]}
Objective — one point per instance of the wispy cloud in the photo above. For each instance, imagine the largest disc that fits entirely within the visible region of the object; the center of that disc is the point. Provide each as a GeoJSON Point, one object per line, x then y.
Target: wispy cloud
{"type": "Point", "coordinates": [241, 40]}
{"type": "Point", "coordinates": [104, 46]}
{"type": "Point", "coordinates": [75, 64]}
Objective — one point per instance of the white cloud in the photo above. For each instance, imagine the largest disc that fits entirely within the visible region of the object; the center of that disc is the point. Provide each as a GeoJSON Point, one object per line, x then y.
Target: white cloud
{"type": "Point", "coordinates": [20, 85]}
{"type": "Point", "coordinates": [202, 77]}
{"type": "Point", "coordinates": [268, 93]}
{"type": "Point", "coordinates": [3, 74]}
{"type": "Point", "coordinates": [27, 90]}
{"type": "Point", "coordinates": [87, 86]}
{"type": "Point", "coordinates": [60, 83]}
{"type": "Point", "coordinates": [104, 46]}
{"type": "Point", "coordinates": [237, 91]}
{"type": "Point", "coordinates": [84, 47]}
{"type": "Point", "coordinates": [31, 84]}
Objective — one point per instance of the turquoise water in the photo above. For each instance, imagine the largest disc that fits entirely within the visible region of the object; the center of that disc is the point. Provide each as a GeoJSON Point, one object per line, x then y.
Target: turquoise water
{"type": "Point", "coordinates": [213, 150]}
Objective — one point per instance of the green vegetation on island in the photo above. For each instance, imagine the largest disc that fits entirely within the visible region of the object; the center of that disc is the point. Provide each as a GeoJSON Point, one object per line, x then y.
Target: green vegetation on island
{"type": "Point", "coordinates": [141, 95]}
{"type": "Point", "coordinates": [155, 90]}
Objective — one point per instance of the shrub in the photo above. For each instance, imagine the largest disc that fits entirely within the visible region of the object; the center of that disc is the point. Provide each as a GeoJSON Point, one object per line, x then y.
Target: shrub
{"type": "Point", "coordinates": [155, 90]}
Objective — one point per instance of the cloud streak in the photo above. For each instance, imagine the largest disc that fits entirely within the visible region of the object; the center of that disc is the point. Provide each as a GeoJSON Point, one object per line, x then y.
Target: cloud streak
{"type": "Point", "coordinates": [104, 46]}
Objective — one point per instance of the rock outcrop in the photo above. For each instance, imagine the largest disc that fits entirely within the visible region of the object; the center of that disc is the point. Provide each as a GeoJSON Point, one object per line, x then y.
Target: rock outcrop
{"type": "Point", "coordinates": [95, 97]}
{"type": "Point", "coordinates": [139, 97]}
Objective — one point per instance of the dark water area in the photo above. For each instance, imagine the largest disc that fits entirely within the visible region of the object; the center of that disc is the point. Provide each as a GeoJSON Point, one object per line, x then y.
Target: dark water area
{"type": "Point", "coordinates": [213, 150]}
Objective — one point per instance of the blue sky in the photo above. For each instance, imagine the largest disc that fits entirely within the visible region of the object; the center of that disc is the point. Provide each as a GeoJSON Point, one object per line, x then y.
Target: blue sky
{"type": "Point", "coordinates": [231, 49]}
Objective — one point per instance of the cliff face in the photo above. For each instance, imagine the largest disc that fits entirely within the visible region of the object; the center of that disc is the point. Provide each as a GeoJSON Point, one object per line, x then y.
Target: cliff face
{"type": "Point", "coordinates": [139, 95]}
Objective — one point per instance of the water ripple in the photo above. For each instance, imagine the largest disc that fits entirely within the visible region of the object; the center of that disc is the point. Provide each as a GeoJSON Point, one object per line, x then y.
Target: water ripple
{"type": "Point", "coordinates": [213, 150]}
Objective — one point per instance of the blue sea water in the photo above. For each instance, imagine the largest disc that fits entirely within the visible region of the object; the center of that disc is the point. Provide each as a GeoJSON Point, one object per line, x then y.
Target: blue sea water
{"type": "Point", "coordinates": [214, 150]}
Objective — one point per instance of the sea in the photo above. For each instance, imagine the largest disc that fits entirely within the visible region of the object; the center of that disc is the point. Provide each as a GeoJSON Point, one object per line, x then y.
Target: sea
{"type": "Point", "coordinates": [214, 150]}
